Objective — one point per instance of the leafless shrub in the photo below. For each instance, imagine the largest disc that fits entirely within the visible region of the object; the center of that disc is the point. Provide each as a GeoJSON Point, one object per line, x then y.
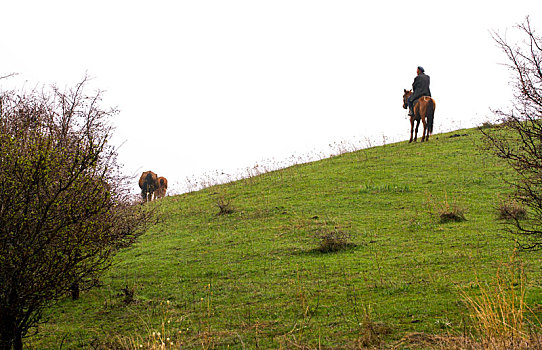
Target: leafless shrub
{"type": "Point", "coordinates": [224, 204]}
{"type": "Point", "coordinates": [518, 138]}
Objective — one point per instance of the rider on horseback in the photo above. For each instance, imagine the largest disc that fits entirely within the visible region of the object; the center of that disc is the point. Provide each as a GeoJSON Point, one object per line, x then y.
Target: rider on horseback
{"type": "Point", "coordinates": [420, 87]}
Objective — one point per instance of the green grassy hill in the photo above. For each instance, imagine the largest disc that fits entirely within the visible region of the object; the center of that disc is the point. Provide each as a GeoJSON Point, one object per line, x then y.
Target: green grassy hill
{"type": "Point", "coordinates": [256, 278]}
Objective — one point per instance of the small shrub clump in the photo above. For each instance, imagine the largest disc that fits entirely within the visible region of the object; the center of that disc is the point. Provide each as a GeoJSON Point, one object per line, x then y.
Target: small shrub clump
{"type": "Point", "coordinates": [370, 331]}
{"type": "Point", "coordinates": [224, 205]}
{"type": "Point", "coordinates": [128, 295]}
{"type": "Point", "coordinates": [511, 210]}
{"type": "Point", "coordinates": [333, 240]}
{"type": "Point", "coordinates": [487, 125]}
{"type": "Point", "coordinates": [452, 214]}
{"type": "Point", "coordinates": [446, 211]}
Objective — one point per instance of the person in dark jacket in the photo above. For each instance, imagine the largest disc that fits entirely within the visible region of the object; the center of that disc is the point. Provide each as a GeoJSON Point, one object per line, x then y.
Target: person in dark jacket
{"type": "Point", "coordinates": [420, 87]}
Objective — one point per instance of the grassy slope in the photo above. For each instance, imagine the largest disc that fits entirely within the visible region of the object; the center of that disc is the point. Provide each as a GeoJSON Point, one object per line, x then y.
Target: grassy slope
{"type": "Point", "coordinates": [254, 278]}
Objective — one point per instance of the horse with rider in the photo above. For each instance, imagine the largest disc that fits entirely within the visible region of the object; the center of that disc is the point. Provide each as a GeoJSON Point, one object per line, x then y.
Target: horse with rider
{"type": "Point", "coordinates": [420, 104]}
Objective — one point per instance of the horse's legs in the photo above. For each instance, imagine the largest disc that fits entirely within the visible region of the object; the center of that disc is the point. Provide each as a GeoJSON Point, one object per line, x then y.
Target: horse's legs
{"type": "Point", "coordinates": [416, 131]}
{"type": "Point", "coordinates": [424, 137]}
{"type": "Point", "coordinates": [411, 128]}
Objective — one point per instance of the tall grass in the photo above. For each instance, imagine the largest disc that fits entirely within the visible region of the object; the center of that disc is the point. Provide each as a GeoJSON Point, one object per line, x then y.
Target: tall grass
{"type": "Point", "coordinates": [169, 327]}
{"type": "Point", "coordinates": [499, 316]}
{"type": "Point", "coordinates": [499, 312]}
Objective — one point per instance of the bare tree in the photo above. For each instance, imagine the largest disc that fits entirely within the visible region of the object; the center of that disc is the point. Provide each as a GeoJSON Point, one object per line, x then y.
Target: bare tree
{"type": "Point", "coordinates": [64, 205]}
{"type": "Point", "coordinates": [518, 139]}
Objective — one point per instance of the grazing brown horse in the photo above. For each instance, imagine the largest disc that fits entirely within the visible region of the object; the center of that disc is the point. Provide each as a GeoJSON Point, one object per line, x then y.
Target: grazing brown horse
{"type": "Point", "coordinates": [148, 182]}
{"type": "Point", "coordinates": [162, 187]}
{"type": "Point", "coordinates": [424, 110]}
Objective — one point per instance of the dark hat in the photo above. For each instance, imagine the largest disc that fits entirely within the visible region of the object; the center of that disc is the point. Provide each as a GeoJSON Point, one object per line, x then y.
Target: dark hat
{"type": "Point", "coordinates": [421, 69]}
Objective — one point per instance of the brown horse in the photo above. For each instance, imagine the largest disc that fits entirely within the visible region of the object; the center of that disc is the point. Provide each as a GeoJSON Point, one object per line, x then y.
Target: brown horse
{"type": "Point", "coordinates": [148, 182]}
{"type": "Point", "coordinates": [424, 110]}
{"type": "Point", "coordinates": [162, 188]}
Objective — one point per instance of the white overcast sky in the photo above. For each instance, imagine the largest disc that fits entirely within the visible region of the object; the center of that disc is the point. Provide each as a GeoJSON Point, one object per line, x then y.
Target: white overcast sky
{"type": "Point", "coordinates": [220, 85]}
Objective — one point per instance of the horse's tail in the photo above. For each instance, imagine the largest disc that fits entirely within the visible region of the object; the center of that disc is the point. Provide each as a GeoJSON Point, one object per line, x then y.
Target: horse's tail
{"type": "Point", "coordinates": [430, 115]}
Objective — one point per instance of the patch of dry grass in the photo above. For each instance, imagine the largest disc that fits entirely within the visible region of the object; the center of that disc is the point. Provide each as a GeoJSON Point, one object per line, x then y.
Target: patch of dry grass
{"type": "Point", "coordinates": [445, 210]}
{"type": "Point", "coordinates": [511, 210]}
{"type": "Point", "coordinates": [499, 312]}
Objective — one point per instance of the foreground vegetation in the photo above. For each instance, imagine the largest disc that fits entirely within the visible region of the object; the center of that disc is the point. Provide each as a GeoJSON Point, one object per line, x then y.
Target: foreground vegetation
{"type": "Point", "coordinates": [65, 209]}
{"type": "Point", "coordinates": [347, 252]}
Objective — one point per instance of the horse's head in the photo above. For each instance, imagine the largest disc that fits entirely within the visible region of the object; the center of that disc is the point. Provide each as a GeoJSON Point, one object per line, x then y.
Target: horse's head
{"type": "Point", "coordinates": [406, 95]}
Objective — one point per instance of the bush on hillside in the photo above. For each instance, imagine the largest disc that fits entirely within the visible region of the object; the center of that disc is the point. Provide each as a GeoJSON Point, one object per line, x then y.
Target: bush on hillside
{"type": "Point", "coordinates": [511, 210]}
{"type": "Point", "coordinates": [65, 209]}
{"type": "Point", "coordinates": [224, 204]}
{"type": "Point", "coordinates": [518, 139]}
{"type": "Point", "coordinates": [453, 214]}
{"type": "Point", "coordinates": [487, 125]}
{"type": "Point", "coordinates": [332, 239]}
{"type": "Point", "coordinates": [446, 211]}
